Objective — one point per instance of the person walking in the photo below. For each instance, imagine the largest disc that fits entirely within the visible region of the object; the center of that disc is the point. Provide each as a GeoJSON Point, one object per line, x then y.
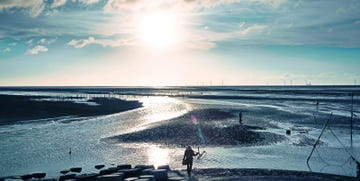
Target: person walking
{"type": "Point", "coordinates": [188, 158]}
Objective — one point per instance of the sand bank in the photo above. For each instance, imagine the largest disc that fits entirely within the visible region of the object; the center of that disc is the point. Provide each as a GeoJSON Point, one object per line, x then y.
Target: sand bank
{"type": "Point", "coordinates": [21, 108]}
{"type": "Point", "coordinates": [209, 127]}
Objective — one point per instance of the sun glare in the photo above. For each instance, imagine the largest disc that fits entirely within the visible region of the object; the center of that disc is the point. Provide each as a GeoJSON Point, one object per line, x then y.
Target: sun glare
{"type": "Point", "coordinates": [158, 156]}
{"type": "Point", "coordinates": [158, 30]}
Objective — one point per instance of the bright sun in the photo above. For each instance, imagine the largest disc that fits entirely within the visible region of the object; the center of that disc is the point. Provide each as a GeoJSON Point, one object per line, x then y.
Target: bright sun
{"type": "Point", "coordinates": [158, 30]}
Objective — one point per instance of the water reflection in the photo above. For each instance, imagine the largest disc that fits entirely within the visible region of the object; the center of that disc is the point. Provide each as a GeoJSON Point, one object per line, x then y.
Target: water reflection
{"type": "Point", "coordinates": [162, 108]}
{"type": "Point", "coordinates": [158, 156]}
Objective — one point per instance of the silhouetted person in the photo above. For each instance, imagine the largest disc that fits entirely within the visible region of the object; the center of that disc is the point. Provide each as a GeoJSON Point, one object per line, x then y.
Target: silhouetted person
{"type": "Point", "coordinates": [188, 158]}
{"type": "Point", "coordinates": [70, 151]}
{"type": "Point", "coordinates": [317, 106]}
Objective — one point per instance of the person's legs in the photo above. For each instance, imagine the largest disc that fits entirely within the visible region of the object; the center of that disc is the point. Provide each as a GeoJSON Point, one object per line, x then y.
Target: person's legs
{"type": "Point", "coordinates": [190, 168]}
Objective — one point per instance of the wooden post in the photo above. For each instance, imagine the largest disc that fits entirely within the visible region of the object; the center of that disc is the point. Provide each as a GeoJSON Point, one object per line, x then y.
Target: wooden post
{"type": "Point", "coordinates": [351, 121]}
{"type": "Point", "coordinates": [357, 170]}
{"type": "Point", "coordinates": [240, 117]}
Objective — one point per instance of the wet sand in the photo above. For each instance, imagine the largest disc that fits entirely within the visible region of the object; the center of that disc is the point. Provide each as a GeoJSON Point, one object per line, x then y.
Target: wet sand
{"type": "Point", "coordinates": [14, 108]}
{"type": "Point", "coordinates": [211, 128]}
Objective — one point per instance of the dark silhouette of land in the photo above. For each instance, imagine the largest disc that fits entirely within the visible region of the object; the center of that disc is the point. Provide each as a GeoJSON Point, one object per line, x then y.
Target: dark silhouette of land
{"type": "Point", "coordinates": [14, 108]}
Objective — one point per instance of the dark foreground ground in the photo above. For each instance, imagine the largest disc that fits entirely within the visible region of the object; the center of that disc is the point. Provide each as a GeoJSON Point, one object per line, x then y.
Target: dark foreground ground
{"type": "Point", "coordinates": [14, 108]}
{"type": "Point", "coordinates": [260, 174]}
{"type": "Point", "coordinates": [127, 172]}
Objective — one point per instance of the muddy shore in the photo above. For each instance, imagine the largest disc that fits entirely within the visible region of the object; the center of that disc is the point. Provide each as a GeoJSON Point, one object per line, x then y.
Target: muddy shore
{"type": "Point", "coordinates": [209, 127]}
{"type": "Point", "coordinates": [15, 108]}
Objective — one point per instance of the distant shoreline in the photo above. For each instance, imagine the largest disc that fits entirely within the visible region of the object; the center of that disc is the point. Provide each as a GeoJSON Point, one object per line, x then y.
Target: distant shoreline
{"type": "Point", "coordinates": [15, 108]}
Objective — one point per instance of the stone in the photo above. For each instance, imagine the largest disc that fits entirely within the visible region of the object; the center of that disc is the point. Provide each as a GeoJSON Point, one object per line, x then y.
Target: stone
{"type": "Point", "coordinates": [76, 169]}
{"type": "Point", "coordinates": [159, 174]}
{"type": "Point", "coordinates": [166, 167]}
{"type": "Point", "coordinates": [134, 172]}
{"type": "Point", "coordinates": [131, 179]}
{"type": "Point", "coordinates": [108, 171]}
{"type": "Point", "coordinates": [39, 175]}
{"type": "Point", "coordinates": [124, 166]}
{"type": "Point", "coordinates": [111, 177]}
{"type": "Point", "coordinates": [150, 177]}
{"type": "Point", "coordinates": [66, 177]}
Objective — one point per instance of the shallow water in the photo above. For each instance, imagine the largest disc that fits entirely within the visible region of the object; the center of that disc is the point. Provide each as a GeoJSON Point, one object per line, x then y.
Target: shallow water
{"type": "Point", "coordinates": [43, 145]}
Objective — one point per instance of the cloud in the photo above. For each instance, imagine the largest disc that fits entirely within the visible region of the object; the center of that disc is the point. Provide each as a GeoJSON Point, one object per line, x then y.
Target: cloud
{"type": "Point", "coordinates": [29, 42]}
{"type": "Point", "coordinates": [245, 22]}
{"type": "Point", "coordinates": [32, 7]}
{"type": "Point", "coordinates": [274, 3]}
{"type": "Point", "coordinates": [35, 7]}
{"type": "Point", "coordinates": [87, 2]}
{"type": "Point", "coordinates": [248, 30]}
{"type": "Point", "coordinates": [45, 41]}
{"type": "Point", "coordinates": [136, 5]}
{"type": "Point", "coordinates": [6, 50]}
{"type": "Point", "coordinates": [205, 39]}
{"type": "Point", "coordinates": [81, 43]}
{"type": "Point", "coordinates": [36, 50]}
{"type": "Point", "coordinates": [213, 3]}
{"type": "Point", "coordinates": [12, 44]}
{"type": "Point", "coordinates": [102, 42]}
{"type": "Point", "coordinates": [115, 43]}
{"type": "Point", "coordinates": [200, 45]}
{"type": "Point", "coordinates": [58, 3]}
{"type": "Point", "coordinates": [42, 41]}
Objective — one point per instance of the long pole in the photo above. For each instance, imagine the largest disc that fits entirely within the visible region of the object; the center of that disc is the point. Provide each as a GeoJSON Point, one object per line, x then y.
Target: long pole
{"type": "Point", "coordinates": [351, 120]}
{"type": "Point", "coordinates": [317, 141]}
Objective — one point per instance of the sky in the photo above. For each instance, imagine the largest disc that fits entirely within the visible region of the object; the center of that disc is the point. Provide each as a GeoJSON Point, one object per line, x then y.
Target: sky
{"type": "Point", "coordinates": [179, 42]}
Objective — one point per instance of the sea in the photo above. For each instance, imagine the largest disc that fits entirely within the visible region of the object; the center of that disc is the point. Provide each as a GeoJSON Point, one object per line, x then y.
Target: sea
{"type": "Point", "coordinates": [324, 116]}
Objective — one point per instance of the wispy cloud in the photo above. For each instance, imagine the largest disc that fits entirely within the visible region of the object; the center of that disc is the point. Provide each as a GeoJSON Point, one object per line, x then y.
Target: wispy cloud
{"type": "Point", "coordinates": [58, 3]}
{"type": "Point", "coordinates": [103, 42]}
{"type": "Point", "coordinates": [29, 42]}
{"type": "Point", "coordinates": [202, 39]}
{"type": "Point", "coordinates": [32, 7]}
{"type": "Point", "coordinates": [36, 50]}
{"type": "Point", "coordinates": [205, 39]}
{"type": "Point", "coordinates": [115, 43]}
{"type": "Point", "coordinates": [255, 22]}
{"type": "Point", "coordinates": [87, 2]}
{"type": "Point", "coordinates": [81, 43]}
{"type": "Point", "coordinates": [45, 41]}
{"type": "Point", "coordinates": [6, 50]}
{"type": "Point", "coordinates": [35, 7]}
{"type": "Point", "coordinates": [42, 41]}
{"type": "Point", "coordinates": [136, 5]}
{"type": "Point", "coordinates": [12, 44]}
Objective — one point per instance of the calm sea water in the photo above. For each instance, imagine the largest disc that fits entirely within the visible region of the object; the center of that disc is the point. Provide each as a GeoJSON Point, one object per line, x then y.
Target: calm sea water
{"type": "Point", "coordinates": [43, 145]}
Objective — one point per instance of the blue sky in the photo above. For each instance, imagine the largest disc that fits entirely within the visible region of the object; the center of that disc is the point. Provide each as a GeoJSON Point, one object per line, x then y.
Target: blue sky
{"type": "Point", "coordinates": [179, 42]}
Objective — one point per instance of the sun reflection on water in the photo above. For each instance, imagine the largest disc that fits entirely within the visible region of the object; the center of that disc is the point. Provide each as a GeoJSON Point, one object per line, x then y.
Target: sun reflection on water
{"type": "Point", "coordinates": [158, 156]}
{"type": "Point", "coordinates": [163, 108]}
